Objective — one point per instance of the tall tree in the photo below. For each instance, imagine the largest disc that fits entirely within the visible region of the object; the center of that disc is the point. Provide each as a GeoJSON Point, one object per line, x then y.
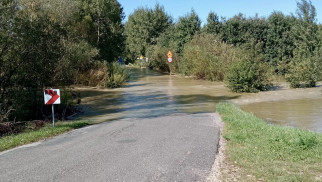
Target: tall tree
{"type": "Point", "coordinates": [305, 66]}
{"type": "Point", "coordinates": [143, 29]}
{"type": "Point", "coordinates": [101, 25]}
{"type": "Point", "coordinates": [235, 30]}
{"type": "Point", "coordinates": [306, 11]}
{"type": "Point", "coordinates": [30, 51]}
{"type": "Point", "coordinates": [305, 31]}
{"type": "Point", "coordinates": [213, 24]}
{"type": "Point", "coordinates": [279, 44]}
{"type": "Point", "coordinates": [185, 29]}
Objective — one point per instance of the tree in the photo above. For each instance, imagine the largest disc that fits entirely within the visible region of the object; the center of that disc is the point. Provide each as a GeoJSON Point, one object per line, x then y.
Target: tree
{"type": "Point", "coordinates": [143, 29]}
{"type": "Point", "coordinates": [305, 31]}
{"type": "Point", "coordinates": [185, 29]}
{"type": "Point", "coordinates": [101, 25]}
{"type": "Point", "coordinates": [279, 45]}
{"type": "Point", "coordinates": [30, 49]}
{"type": "Point", "coordinates": [213, 24]}
{"type": "Point", "coordinates": [306, 11]}
{"type": "Point", "coordinates": [305, 69]}
{"type": "Point", "coordinates": [235, 30]}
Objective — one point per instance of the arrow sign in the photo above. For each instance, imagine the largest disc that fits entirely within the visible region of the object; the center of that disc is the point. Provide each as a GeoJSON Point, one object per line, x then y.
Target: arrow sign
{"type": "Point", "coordinates": [52, 96]}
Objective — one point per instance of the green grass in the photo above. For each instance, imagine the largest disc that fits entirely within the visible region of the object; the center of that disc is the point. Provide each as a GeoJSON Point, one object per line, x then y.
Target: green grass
{"type": "Point", "coordinates": [269, 152]}
{"type": "Point", "coordinates": [8, 142]}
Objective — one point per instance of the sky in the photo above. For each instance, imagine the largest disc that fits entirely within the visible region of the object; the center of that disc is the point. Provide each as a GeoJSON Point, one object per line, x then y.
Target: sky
{"type": "Point", "coordinates": [225, 8]}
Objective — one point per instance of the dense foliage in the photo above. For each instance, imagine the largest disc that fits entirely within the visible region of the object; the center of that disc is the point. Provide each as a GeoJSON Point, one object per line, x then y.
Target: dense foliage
{"type": "Point", "coordinates": [281, 45]}
{"type": "Point", "coordinates": [247, 76]}
{"type": "Point", "coordinates": [47, 44]}
{"type": "Point", "coordinates": [143, 28]}
{"type": "Point", "coordinates": [207, 57]}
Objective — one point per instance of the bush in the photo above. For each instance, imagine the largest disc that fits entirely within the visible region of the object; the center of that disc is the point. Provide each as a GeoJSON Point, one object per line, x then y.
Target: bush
{"type": "Point", "coordinates": [248, 76]}
{"type": "Point", "coordinates": [158, 58]}
{"type": "Point", "coordinates": [103, 74]}
{"type": "Point", "coordinates": [96, 75]}
{"type": "Point", "coordinates": [304, 72]}
{"type": "Point", "coordinates": [207, 57]}
{"type": "Point", "coordinates": [117, 76]}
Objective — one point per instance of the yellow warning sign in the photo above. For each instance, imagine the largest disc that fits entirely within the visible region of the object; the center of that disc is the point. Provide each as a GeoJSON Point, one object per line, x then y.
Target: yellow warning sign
{"type": "Point", "coordinates": [169, 54]}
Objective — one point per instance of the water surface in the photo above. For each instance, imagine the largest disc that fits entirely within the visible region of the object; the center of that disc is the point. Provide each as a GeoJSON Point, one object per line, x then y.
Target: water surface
{"type": "Point", "coordinates": [302, 113]}
{"type": "Point", "coordinates": [152, 94]}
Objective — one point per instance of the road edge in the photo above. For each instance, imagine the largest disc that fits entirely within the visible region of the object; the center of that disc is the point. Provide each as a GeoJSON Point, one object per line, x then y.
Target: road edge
{"type": "Point", "coordinates": [215, 173]}
{"type": "Point", "coordinates": [222, 170]}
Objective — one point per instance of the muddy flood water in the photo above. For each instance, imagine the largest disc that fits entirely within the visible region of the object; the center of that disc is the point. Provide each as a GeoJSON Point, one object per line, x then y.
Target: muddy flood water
{"type": "Point", "coordinates": [152, 94]}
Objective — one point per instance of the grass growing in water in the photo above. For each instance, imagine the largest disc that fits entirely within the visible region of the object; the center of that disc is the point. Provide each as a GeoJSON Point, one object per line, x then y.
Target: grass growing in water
{"type": "Point", "coordinates": [270, 152]}
{"type": "Point", "coordinates": [8, 142]}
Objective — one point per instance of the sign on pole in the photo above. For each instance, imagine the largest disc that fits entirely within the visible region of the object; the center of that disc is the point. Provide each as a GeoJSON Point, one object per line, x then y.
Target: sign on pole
{"type": "Point", "coordinates": [170, 59]}
{"type": "Point", "coordinates": [51, 97]}
{"type": "Point", "coordinates": [169, 54]}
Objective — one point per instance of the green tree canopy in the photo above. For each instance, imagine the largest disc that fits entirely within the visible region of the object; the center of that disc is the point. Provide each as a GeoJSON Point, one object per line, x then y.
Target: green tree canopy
{"type": "Point", "coordinates": [279, 43]}
{"type": "Point", "coordinates": [213, 25]}
{"type": "Point", "coordinates": [185, 29]}
{"type": "Point", "coordinates": [143, 29]}
{"type": "Point", "coordinates": [101, 25]}
{"type": "Point", "coordinates": [306, 11]}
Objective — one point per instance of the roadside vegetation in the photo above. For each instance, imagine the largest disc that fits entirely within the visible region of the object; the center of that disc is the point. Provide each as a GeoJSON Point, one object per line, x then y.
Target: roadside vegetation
{"type": "Point", "coordinates": [35, 133]}
{"type": "Point", "coordinates": [265, 152]}
{"type": "Point", "coordinates": [56, 44]}
{"type": "Point", "coordinates": [247, 53]}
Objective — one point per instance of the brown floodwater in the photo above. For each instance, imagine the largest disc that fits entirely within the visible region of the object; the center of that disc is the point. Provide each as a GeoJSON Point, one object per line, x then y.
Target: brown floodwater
{"type": "Point", "coordinates": [302, 113]}
{"type": "Point", "coordinates": [152, 94]}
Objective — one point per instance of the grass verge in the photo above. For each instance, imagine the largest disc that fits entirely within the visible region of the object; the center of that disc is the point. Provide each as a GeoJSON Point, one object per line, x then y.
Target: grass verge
{"type": "Point", "coordinates": [266, 152]}
{"type": "Point", "coordinates": [11, 141]}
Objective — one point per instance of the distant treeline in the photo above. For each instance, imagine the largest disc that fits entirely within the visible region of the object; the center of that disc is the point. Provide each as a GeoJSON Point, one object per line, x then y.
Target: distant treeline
{"type": "Point", "coordinates": [245, 52]}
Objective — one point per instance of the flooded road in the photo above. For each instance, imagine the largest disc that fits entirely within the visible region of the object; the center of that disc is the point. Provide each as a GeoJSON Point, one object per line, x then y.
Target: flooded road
{"type": "Point", "coordinates": [152, 94]}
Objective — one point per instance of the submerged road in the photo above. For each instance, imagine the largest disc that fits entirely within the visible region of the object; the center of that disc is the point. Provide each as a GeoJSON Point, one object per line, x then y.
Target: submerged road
{"type": "Point", "coordinates": [177, 147]}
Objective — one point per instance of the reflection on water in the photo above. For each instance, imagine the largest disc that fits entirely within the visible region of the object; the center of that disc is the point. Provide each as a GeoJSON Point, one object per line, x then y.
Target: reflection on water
{"type": "Point", "coordinates": [304, 113]}
{"type": "Point", "coordinates": [151, 94]}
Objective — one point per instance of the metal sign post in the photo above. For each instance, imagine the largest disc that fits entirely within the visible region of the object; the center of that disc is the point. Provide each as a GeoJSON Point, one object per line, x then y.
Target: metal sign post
{"type": "Point", "coordinates": [52, 96]}
{"type": "Point", "coordinates": [53, 113]}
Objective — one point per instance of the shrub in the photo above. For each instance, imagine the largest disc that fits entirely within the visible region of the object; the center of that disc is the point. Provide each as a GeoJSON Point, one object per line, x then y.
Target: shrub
{"type": "Point", "coordinates": [96, 75]}
{"type": "Point", "coordinates": [103, 74]}
{"type": "Point", "coordinates": [207, 57]}
{"type": "Point", "coordinates": [117, 76]}
{"type": "Point", "coordinates": [158, 58]}
{"type": "Point", "coordinates": [248, 76]}
{"type": "Point", "coordinates": [305, 71]}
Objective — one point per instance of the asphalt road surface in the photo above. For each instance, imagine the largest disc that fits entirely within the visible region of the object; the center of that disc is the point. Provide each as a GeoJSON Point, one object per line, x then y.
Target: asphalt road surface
{"type": "Point", "coordinates": [180, 147]}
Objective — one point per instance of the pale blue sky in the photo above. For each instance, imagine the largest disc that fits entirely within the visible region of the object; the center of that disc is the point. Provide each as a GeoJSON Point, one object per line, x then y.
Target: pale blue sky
{"type": "Point", "coordinates": [226, 8]}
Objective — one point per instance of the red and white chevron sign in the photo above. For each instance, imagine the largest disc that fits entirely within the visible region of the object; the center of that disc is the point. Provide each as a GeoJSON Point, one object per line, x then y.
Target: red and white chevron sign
{"type": "Point", "coordinates": [52, 96]}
